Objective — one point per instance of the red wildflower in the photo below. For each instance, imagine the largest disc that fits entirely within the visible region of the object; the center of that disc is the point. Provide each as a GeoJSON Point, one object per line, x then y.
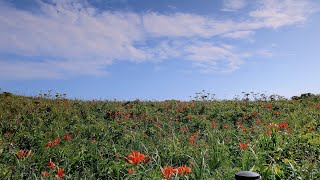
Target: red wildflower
{"type": "Point", "coordinates": [214, 124]}
{"type": "Point", "coordinates": [67, 136]}
{"type": "Point", "coordinates": [53, 143]}
{"type": "Point", "coordinates": [167, 172]}
{"type": "Point", "coordinates": [268, 132]}
{"type": "Point", "coordinates": [127, 116]}
{"type": "Point", "coordinates": [288, 131]}
{"type": "Point", "coordinates": [311, 129]}
{"type": "Point", "coordinates": [51, 164]}
{"type": "Point", "coordinates": [244, 130]}
{"type": "Point", "coordinates": [251, 128]}
{"type": "Point", "coordinates": [130, 171]}
{"type": "Point", "coordinates": [283, 125]}
{"type": "Point", "coordinates": [259, 121]}
{"type": "Point", "coordinates": [20, 154]}
{"type": "Point", "coordinates": [135, 157]}
{"type": "Point", "coordinates": [49, 144]}
{"type": "Point", "coordinates": [192, 139]}
{"type": "Point", "coordinates": [183, 170]}
{"type": "Point", "coordinates": [184, 129]}
{"type": "Point", "coordinates": [56, 141]}
{"type": "Point", "coordinates": [243, 145]}
{"type": "Point", "coordinates": [45, 174]}
{"type": "Point", "coordinates": [118, 155]}
{"type": "Point", "coordinates": [225, 126]}
{"type": "Point", "coordinates": [60, 173]}
{"type": "Point", "coordinates": [276, 113]}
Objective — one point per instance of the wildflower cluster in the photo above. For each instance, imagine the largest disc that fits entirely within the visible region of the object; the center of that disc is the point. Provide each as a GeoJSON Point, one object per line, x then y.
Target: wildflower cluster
{"type": "Point", "coordinates": [168, 171]}
{"type": "Point", "coordinates": [42, 139]}
{"type": "Point", "coordinates": [22, 153]}
{"type": "Point", "coordinates": [59, 171]}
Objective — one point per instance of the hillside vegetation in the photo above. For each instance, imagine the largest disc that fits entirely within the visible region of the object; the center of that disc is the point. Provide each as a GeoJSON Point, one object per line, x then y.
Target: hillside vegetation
{"type": "Point", "coordinates": [48, 138]}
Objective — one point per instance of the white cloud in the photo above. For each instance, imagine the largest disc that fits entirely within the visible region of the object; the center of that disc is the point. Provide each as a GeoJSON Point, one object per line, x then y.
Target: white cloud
{"type": "Point", "coordinates": [269, 14]}
{"type": "Point", "coordinates": [277, 13]}
{"type": "Point", "coordinates": [233, 5]}
{"type": "Point", "coordinates": [76, 39]}
{"type": "Point", "coordinates": [180, 25]}
{"type": "Point", "coordinates": [212, 57]}
{"type": "Point", "coordinates": [71, 33]}
{"type": "Point", "coordinates": [239, 34]}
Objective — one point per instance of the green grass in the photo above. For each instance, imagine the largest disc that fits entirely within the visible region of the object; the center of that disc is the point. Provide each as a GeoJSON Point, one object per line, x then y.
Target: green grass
{"type": "Point", "coordinates": [281, 136]}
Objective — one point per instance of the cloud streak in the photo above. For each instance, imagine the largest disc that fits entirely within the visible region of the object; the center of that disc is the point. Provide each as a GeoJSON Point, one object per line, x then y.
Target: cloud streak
{"type": "Point", "coordinates": [75, 38]}
{"type": "Point", "coordinates": [239, 34]}
{"type": "Point", "coordinates": [233, 5]}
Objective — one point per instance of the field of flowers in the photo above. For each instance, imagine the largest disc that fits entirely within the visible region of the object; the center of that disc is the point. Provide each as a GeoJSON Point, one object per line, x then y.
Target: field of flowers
{"type": "Point", "coordinates": [49, 138]}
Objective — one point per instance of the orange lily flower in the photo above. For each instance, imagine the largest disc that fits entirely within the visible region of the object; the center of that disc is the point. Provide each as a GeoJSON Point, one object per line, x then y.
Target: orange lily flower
{"type": "Point", "coordinates": [45, 174]}
{"type": "Point", "coordinates": [183, 169]}
{"type": "Point", "coordinates": [130, 171]}
{"type": "Point", "coordinates": [56, 141]}
{"type": "Point", "coordinates": [243, 145]}
{"type": "Point", "coordinates": [268, 132]}
{"type": "Point", "coordinates": [60, 173]}
{"type": "Point", "coordinates": [29, 152]}
{"type": "Point", "coordinates": [135, 157]}
{"type": "Point", "coordinates": [23, 153]}
{"type": "Point", "coordinates": [214, 124]}
{"type": "Point", "coordinates": [20, 154]}
{"type": "Point", "coordinates": [49, 144]}
{"type": "Point", "coordinates": [51, 164]}
{"type": "Point", "coordinates": [192, 139]}
{"type": "Point", "coordinates": [118, 155]}
{"type": "Point", "coordinates": [167, 172]}
{"type": "Point", "coordinates": [67, 136]}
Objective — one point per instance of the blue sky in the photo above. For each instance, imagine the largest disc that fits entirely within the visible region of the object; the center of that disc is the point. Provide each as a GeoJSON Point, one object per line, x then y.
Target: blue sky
{"type": "Point", "coordinates": [156, 50]}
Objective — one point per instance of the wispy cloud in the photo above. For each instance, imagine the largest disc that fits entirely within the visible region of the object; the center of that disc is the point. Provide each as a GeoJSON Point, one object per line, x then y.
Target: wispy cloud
{"type": "Point", "coordinates": [207, 56]}
{"type": "Point", "coordinates": [239, 34]}
{"type": "Point", "coordinates": [214, 58]}
{"type": "Point", "coordinates": [233, 5]}
{"type": "Point", "coordinates": [275, 13]}
{"type": "Point", "coordinates": [74, 38]}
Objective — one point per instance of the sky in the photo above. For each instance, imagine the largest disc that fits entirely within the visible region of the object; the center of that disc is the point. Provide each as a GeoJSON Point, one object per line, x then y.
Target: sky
{"type": "Point", "coordinates": [160, 49]}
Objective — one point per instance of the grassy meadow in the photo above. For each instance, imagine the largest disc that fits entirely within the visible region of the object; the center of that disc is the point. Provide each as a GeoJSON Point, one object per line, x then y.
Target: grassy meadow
{"type": "Point", "coordinates": [49, 137]}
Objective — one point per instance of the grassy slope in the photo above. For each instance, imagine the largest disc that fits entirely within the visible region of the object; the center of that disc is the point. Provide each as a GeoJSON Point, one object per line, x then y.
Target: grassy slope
{"type": "Point", "coordinates": [161, 131]}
